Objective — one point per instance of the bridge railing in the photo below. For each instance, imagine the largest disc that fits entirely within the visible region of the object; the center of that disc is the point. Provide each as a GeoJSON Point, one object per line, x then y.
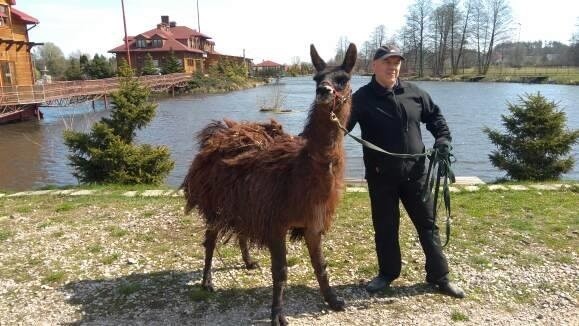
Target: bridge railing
{"type": "Point", "coordinates": [18, 95]}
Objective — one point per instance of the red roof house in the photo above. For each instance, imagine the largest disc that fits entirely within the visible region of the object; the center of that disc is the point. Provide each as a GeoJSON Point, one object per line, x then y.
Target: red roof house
{"type": "Point", "coordinates": [268, 67]}
{"type": "Point", "coordinates": [193, 49]}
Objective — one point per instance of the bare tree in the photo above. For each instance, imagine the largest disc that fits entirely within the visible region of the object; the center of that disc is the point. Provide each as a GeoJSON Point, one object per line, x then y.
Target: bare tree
{"type": "Point", "coordinates": [341, 48]}
{"type": "Point", "coordinates": [378, 37]}
{"type": "Point", "coordinates": [416, 22]}
{"type": "Point", "coordinates": [442, 20]}
{"type": "Point", "coordinates": [480, 31]}
{"type": "Point", "coordinates": [464, 17]}
{"type": "Point", "coordinates": [575, 45]}
{"type": "Point", "coordinates": [366, 55]}
{"type": "Point", "coordinates": [499, 14]}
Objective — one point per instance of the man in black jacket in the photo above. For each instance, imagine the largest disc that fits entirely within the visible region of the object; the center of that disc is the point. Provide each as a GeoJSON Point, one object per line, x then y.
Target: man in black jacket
{"type": "Point", "coordinates": [389, 112]}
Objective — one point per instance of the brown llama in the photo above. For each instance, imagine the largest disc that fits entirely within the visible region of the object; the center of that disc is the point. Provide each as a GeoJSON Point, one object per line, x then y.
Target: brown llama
{"type": "Point", "coordinates": [255, 182]}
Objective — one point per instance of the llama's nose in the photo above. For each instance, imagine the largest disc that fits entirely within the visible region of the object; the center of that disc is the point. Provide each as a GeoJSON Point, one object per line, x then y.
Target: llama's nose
{"type": "Point", "coordinates": [324, 89]}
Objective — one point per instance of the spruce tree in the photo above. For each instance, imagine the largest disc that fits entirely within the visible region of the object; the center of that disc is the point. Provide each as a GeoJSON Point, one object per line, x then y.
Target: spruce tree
{"type": "Point", "coordinates": [149, 66]}
{"type": "Point", "coordinates": [172, 64]}
{"type": "Point", "coordinates": [107, 154]}
{"type": "Point", "coordinates": [536, 144]}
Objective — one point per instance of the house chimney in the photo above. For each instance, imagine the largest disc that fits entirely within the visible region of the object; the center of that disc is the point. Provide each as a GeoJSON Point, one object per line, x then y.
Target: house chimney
{"type": "Point", "coordinates": [165, 20]}
{"type": "Point", "coordinates": [172, 24]}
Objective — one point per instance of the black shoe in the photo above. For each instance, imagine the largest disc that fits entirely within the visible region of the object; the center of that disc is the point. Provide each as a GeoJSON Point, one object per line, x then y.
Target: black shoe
{"type": "Point", "coordinates": [450, 289]}
{"type": "Point", "coordinates": [377, 284]}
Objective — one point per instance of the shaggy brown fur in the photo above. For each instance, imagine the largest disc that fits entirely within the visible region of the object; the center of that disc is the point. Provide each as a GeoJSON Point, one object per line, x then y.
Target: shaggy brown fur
{"type": "Point", "coordinates": [254, 181]}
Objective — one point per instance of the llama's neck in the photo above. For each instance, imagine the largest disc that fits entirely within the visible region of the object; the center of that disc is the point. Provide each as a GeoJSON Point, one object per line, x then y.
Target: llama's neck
{"type": "Point", "coordinates": [324, 136]}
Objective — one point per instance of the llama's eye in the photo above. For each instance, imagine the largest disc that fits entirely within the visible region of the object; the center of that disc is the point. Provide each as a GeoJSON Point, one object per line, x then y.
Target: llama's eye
{"type": "Point", "coordinates": [341, 82]}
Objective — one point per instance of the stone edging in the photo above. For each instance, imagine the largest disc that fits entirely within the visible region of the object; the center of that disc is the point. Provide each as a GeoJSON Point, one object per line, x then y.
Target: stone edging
{"type": "Point", "coordinates": [349, 188]}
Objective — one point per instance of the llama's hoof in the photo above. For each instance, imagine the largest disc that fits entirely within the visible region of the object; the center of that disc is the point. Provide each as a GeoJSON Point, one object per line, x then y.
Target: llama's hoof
{"type": "Point", "coordinates": [279, 320]}
{"type": "Point", "coordinates": [337, 304]}
{"type": "Point", "coordinates": [252, 264]}
{"type": "Point", "coordinates": [208, 287]}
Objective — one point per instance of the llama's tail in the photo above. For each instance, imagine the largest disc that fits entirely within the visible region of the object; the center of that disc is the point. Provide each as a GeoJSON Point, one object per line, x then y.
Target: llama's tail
{"type": "Point", "coordinates": [206, 134]}
{"type": "Point", "coordinates": [192, 183]}
{"type": "Point", "coordinates": [191, 200]}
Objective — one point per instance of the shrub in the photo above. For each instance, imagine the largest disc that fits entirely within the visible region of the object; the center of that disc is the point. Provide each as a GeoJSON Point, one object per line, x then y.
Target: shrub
{"type": "Point", "coordinates": [536, 144]}
{"type": "Point", "coordinates": [107, 154]}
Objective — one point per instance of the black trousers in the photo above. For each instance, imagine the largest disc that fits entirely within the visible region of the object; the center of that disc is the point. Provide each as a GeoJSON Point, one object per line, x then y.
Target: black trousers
{"type": "Point", "coordinates": [385, 198]}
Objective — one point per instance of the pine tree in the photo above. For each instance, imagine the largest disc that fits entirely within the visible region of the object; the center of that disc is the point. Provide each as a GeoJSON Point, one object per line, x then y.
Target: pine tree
{"type": "Point", "coordinates": [73, 71]}
{"type": "Point", "coordinates": [149, 66]}
{"type": "Point", "coordinates": [536, 144]}
{"type": "Point", "coordinates": [107, 154]}
{"type": "Point", "coordinates": [99, 68]}
{"type": "Point", "coordinates": [172, 64]}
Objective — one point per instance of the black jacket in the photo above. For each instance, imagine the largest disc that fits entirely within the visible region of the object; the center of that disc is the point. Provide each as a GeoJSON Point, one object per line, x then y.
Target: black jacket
{"type": "Point", "coordinates": [391, 120]}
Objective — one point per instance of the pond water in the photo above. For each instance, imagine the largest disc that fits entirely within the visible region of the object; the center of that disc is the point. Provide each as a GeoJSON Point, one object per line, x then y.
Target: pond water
{"type": "Point", "coordinates": [32, 153]}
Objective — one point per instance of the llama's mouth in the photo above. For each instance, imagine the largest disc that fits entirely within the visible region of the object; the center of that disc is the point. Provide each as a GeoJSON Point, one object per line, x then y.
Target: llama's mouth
{"type": "Point", "coordinates": [325, 93]}
{"type": "Point", "coordinates": [324, 98]}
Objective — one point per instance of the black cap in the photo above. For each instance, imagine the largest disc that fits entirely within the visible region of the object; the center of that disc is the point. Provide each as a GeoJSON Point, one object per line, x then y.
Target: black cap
{"type": "Point", "coordinates": [386, 51]}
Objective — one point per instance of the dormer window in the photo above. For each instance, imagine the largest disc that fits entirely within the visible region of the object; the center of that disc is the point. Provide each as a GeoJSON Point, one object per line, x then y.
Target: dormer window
{"type": "Point", "coordinates": [141, 43]}
{"type": "Point", "coordinates": [157, 43]}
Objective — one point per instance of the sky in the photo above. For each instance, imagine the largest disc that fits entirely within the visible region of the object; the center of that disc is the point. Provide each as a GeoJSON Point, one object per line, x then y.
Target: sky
{"type": "Point", "coordinates": [277, 30]}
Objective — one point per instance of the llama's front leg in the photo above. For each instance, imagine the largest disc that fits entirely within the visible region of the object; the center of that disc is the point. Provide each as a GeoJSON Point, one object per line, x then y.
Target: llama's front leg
{"type": "Point", "coordinates": [249, 262]}
{"type": "Point", "coordinates": [209, 243]}
{"type": "Point", "coordinates": [314, 243]}
{"type": "Point", "coordinates": [279, 274]}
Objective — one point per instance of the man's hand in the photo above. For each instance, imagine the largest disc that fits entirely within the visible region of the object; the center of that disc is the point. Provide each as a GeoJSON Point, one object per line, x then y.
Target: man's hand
{"type": "Point", "coordinates": [443, 148]}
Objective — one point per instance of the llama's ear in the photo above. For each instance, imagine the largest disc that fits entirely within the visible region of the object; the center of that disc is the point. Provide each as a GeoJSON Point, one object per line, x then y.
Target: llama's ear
{"type": "Point", "coordinates": [350, 58]}
{"type": "Point", "coordinates": [318, 62]}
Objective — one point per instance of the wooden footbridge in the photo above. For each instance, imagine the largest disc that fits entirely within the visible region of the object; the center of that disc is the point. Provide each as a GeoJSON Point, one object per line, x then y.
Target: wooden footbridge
{"type": "Point", "coordinates": [17, 102]}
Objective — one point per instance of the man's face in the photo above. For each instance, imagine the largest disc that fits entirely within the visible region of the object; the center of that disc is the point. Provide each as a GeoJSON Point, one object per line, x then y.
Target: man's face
{"type": "Point", "coordinates": [387, 70]}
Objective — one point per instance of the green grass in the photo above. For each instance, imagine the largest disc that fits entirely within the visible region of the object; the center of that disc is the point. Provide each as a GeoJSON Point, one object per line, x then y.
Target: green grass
{"type": "Point", "coordinates": [109, 259]}
{"type": "Point", "coordinates": [54, 277]}
{"type": "Point", "coordinates": [458, 316]}
{"type": "Point", "coordinates": [116, 231]}
{"type": "Point", "coordinates": [64, 207]}
{"type": "Point", "coordinates": [5, 234]}
{"type": "Point", "coordinates": [558, 75]}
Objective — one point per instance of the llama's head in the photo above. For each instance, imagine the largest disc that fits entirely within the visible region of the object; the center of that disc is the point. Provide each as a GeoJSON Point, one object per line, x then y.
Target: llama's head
{"type": "Point", "coordinates": [333, 82]}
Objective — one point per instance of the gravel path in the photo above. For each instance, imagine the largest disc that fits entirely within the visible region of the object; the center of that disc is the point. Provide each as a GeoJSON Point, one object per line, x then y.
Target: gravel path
{"type": "Point", "coordinates": [52, 273]}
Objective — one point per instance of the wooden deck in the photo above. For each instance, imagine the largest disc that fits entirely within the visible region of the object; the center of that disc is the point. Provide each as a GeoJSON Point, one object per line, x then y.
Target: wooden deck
{"type": "Point", "coordinates": [22, 102]}
{"type": "Point", "coordinates": [77, 91]}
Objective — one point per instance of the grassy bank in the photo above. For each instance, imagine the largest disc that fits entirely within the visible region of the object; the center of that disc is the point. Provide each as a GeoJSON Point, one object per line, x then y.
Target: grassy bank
{"type": "Point", "coordinates": [114, 259]}
{"type": "Point", "coordinates": [545, 75]}
{"type": "Point", "coordinates": [217, 84]}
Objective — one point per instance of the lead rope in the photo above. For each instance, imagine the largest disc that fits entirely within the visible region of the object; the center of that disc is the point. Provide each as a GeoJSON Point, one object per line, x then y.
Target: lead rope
{"type": "Point", "coordinates": [442, 165]}
{"type": "Point", "coordinates": [439, 163]}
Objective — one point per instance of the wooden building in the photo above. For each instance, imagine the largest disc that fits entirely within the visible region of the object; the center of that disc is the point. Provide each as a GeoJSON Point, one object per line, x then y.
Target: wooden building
{"type": "Point", "coordinates": [16, 68]}
{"type": "Point", "coordinates": [268, 68]}
{"type": "Point", "coordinates": [195, 51]}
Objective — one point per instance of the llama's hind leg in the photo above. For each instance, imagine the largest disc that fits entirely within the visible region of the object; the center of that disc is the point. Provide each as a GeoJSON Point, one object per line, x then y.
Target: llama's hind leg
{"type": "Point", "coordinates": [279, 274]}
{"type": "Point", "coordinates": [314, 243]}
{"type": "Point", "coordinates": [209, 244]}
{"type": "Point", "coordinates": [250, 263]}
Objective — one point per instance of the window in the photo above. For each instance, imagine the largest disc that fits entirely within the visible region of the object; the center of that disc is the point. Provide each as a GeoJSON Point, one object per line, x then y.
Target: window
{"type": "Point", "coordinates": [141, 43]}
{"type": "Point", "coordinates": [157, 43]}
{"type": "Point", "coordinates": [6, 69]}
{"type": "Point", "coordinates": [3, 15]}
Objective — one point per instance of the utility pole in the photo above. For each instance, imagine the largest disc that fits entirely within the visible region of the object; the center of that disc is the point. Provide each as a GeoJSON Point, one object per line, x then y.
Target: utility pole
{"type": "Point", "coordinates": [198, 22]}
{"type": "Point", "coordinates": [126, 36]}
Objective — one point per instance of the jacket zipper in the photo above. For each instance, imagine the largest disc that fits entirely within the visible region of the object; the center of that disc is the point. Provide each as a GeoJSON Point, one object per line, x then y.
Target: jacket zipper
{"type": "Point", "coordinates": [402, 110]}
